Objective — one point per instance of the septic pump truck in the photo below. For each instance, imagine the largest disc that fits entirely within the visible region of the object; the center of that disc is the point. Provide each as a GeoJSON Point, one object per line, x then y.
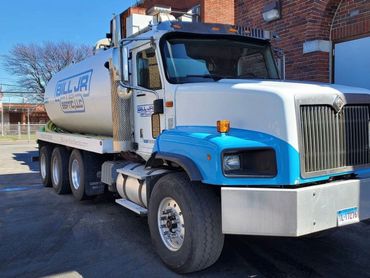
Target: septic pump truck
{"type": "Point", "coordinates": [188, 124]}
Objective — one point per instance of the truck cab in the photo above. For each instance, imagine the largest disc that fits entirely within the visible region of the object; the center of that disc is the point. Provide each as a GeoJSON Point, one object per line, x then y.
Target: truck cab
{"type": "Point", "coordinates": [185, 57]}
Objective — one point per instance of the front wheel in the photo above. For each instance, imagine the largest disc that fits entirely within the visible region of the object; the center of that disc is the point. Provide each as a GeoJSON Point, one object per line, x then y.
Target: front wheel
{"type": "Point", "coordinates": [185, 223]}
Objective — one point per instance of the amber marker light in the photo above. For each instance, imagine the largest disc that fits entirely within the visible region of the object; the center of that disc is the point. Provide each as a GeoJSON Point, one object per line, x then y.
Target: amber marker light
{"type": "Point", "coordinates": [169, 104]}
{"type": "Point", "coordinates": [233, 30]}
{"type": "Point", "coordinates": [223, 126]}
{"type": "Point", "coordinates": [215, 28]}
{"type": "Point", "coordinates": [176, 26]}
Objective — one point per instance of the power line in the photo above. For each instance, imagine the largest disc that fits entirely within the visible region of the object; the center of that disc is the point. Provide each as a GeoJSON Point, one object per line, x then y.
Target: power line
{"type": "Point", "coordinates": [18, 93]}
{"type": "Point", "coordinates": [7, 79]}
{"type": "Point", "coordinates": [9, 85]}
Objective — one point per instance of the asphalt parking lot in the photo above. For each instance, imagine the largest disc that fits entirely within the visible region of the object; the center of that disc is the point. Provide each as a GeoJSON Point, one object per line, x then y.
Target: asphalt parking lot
{"type": "Point", "coordinates": [42, 234]}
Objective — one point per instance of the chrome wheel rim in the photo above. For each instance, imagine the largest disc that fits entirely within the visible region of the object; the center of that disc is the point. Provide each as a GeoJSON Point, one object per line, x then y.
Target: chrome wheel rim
{"type": "Point", "coordinates": [43, 166]}
{"type": "Point", "coordinates": [171, 224]}
{"type": "Point", "coordinates": [75, 174]}
{"type": "Point", "coordinates": [55, 168]}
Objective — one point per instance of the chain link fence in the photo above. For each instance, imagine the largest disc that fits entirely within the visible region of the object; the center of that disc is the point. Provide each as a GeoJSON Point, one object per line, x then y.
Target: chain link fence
{"type": "Point", "coordinates": [19, 131]}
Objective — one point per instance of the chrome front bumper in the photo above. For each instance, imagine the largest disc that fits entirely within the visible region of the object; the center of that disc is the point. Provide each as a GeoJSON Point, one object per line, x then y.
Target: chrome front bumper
{"type": "Point", "coordinates": [292, 212]}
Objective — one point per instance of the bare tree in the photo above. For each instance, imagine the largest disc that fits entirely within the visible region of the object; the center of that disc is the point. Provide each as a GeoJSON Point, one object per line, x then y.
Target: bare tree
{"type": "Point", "coordinates": [35, 64]}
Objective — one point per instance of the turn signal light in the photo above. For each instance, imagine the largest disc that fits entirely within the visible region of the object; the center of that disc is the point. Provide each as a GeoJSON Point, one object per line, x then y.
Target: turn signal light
{"type": "Point", "coordinates": [223, 126]}
{"type": "Point", "coordinates": [169, 104]}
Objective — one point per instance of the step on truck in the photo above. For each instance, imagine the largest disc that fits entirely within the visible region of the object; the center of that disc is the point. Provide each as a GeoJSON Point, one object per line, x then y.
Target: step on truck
{"type": "Point", "coordinates": [190, 125]}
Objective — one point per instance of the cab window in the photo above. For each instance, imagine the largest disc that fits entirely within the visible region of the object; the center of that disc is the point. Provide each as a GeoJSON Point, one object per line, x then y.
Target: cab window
{"type": "Point", "coordinates": [147, 70]}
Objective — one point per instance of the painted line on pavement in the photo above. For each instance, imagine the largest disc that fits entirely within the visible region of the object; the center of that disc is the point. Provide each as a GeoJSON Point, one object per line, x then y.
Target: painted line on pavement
{"type": "Point", "coordinates": [20, 188]}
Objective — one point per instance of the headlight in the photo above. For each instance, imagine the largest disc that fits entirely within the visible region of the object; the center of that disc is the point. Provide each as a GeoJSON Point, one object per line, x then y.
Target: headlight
{"type": "Point", "coordinates": [231, 162]}
{"type": "Point", "coordinates": [250, 163]}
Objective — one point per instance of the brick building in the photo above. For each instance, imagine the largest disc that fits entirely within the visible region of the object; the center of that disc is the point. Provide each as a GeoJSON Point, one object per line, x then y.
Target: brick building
{"type": "Point", "coordinates": [14, 110]}
{"type": "Point", "coordinates": [309, 33]}
{"type": "Point", "coordinates": [212, 11]}
{"type": "Point", "coordinates": [309, 30]}
{"type": "Point", "coordinates": [14, 113]}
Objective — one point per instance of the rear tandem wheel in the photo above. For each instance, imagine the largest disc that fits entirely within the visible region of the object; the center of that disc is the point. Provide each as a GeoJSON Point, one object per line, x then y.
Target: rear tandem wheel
{"type": "Point", "coordinates": [45, 159]}
{"type": "Point", "coordinates": [59, 170]}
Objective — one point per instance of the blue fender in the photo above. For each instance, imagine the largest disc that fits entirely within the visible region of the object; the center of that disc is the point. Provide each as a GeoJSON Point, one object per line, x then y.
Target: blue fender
{"type": "Point", "coordinates": [186, 163]}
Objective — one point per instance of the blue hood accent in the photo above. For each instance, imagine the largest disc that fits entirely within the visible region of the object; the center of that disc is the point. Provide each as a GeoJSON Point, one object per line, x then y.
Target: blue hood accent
{"type": "Point", "coordinates": [198, 143]}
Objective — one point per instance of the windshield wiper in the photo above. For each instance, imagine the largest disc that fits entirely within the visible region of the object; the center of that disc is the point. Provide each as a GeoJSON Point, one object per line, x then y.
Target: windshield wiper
{"type": "Point", "coordinates": [256, 78]}
{"type": "Point", "coordinates": [212, 76]}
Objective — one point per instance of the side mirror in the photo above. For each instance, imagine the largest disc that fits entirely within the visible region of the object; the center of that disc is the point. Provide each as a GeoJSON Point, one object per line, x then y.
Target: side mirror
{"type": "Point", "coordinates": [279, 56]}
{"type": "Point", "coordinates": [125, 62]}
{"type": "Point", "coordinates": [158, 106]}
{"type": "Point", "coordinates": [158, 109]}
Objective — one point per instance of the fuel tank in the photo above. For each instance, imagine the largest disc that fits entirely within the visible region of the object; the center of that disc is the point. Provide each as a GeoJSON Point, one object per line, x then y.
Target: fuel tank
{"type": "Point", "coordinates": [78, 98]}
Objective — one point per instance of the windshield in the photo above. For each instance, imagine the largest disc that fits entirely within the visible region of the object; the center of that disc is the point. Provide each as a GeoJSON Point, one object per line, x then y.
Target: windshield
{"type": "Point", "coordinates": [189, 59]}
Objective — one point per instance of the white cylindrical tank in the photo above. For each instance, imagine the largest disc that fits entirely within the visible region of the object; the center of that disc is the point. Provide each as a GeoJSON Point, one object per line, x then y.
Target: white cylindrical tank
{"type": "Point", "coordinates": [78, 98]}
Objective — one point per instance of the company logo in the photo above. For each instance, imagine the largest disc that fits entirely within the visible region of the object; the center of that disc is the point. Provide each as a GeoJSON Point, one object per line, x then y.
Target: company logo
{"type": "Point", "coordinates": [338, 104]}
{"type": "Point", "coordinates": [145, 110]}
{"type": "Point", "coordinates": [70, 92]}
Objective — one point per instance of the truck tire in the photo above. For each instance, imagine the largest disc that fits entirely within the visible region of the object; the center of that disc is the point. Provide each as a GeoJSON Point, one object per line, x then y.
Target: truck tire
{"type": "Point", "coordinates": [185, 223]}
{"type": "Point", "coordinates": [45, 158]}
{"type": "Point", "coordinates": [76, 170]}
{"type": "Point", "coordinates": [59, 170]}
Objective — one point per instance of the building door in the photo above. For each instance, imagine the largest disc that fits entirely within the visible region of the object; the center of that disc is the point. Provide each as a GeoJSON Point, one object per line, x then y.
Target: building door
{"type": "Point", "coordinates": [15, 117]}
{"type": "Point", "coordinates": [352, 63]}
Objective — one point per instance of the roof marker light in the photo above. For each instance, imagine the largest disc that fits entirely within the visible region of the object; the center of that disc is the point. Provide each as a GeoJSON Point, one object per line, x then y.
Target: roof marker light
{"type": "Point", "coordinates": [176, 26]}
{"type": "Point", "coordinates": [223, 126]}
{"type": "Point", "coordinates": [233, 30]}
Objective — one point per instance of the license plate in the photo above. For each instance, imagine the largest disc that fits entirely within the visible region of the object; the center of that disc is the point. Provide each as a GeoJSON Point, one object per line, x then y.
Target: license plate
{"type": "Point", "coordinates": [347, 216]}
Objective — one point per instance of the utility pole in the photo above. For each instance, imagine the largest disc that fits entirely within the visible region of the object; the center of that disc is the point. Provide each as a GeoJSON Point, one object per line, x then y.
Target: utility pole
{"type": "Point", "coordinates": [2, 118]}
{"type": "Point", "coordinates": [2, 111]}
{"type": "Point", "coordinates": [28, 125]}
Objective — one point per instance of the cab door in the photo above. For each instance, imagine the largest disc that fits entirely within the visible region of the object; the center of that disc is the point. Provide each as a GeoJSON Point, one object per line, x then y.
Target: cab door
{"type": "Point", "coordinates": [147, 75]}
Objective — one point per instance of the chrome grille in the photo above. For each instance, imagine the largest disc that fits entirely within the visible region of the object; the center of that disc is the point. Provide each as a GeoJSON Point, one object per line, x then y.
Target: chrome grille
{"type": "Point", "coordinates": [333, 140]}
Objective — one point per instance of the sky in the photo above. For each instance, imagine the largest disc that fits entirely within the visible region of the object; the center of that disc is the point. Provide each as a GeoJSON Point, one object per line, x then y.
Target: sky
{"type": "Point", "coordinates": [36, 21]}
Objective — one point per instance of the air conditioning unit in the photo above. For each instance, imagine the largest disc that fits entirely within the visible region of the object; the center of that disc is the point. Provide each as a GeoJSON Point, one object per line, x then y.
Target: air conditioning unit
{"type": "Point", "coordinates": [159, 9]}
{"type": "Point", "coordinates": [137, 22]}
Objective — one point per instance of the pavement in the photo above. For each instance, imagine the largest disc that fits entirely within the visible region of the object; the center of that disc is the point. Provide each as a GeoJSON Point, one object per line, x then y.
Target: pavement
{"type": "Point", "coordinates": [44, 234]}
